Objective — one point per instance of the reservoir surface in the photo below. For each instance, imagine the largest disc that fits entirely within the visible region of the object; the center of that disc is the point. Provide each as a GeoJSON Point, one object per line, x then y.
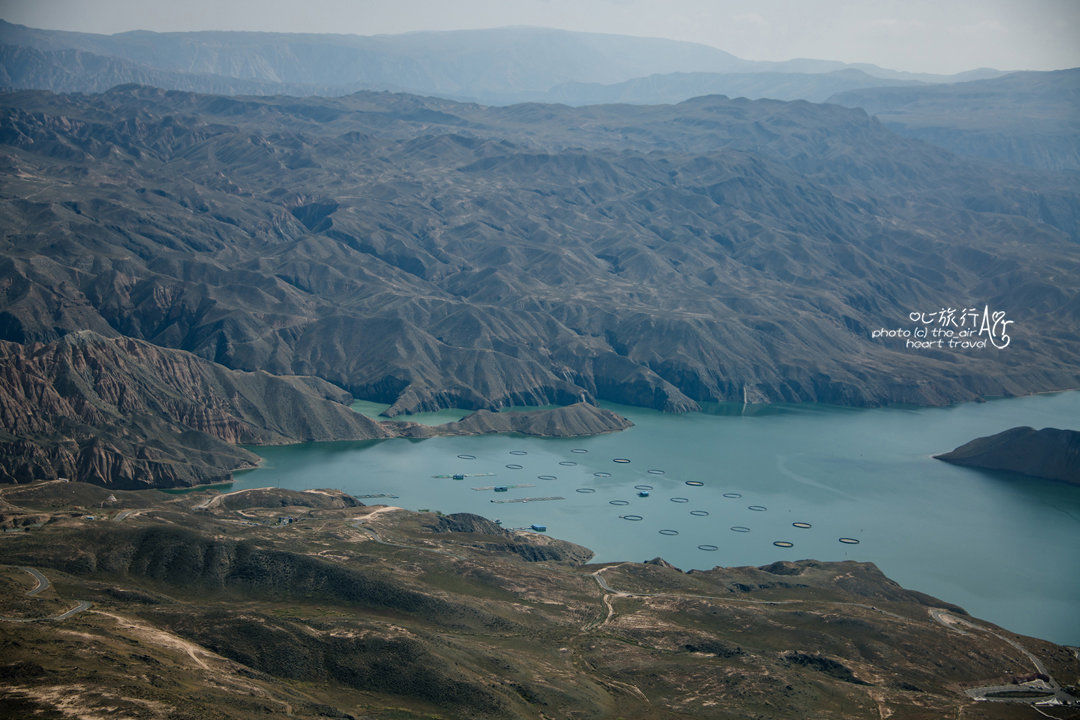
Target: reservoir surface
{"type": "Point", "coordinates": [1002, 546]}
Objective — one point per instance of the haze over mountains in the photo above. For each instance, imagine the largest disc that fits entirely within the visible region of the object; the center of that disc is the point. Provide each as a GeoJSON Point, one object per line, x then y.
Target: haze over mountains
{"type": "Point", "coordinates": [497, 66]}
{"type": "Point", "coordinates": [431, 253]}
{"type": "Point", "coordinates": [1029, 119]}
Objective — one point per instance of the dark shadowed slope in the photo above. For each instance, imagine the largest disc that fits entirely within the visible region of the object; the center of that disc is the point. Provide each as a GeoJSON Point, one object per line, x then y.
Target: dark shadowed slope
{"type": "Point", "coordinates": [1048, 453]}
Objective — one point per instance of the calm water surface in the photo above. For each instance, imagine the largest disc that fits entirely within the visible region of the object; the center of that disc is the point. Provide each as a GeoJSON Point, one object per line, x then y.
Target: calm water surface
{"type": "Point", "coordinates": [1003, 547]}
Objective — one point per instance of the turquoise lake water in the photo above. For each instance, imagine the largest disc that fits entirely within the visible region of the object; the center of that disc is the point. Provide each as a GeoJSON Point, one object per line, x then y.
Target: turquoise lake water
{"type": "Point", "coordinates": [1003, 547]}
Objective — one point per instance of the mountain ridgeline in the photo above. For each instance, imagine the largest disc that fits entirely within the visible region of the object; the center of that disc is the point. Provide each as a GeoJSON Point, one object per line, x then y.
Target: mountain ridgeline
{"type": "Point", "coordinates": [1025, 118]}
{"type": "Point", "coordinates": [494, 66]}
{"type": "Point", "coordinates": [429, 254]}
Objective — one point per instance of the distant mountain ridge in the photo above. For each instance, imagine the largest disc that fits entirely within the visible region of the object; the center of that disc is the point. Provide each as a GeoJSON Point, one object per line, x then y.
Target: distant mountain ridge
{"type": "Point", "coordinates": [677, 87]}
{"type": "Point", "coordinates": [496, 66]}
{"type": "Point", "coordinates": [1026, 118]}
{"type": "Point", "coordinates": [1031, 119]}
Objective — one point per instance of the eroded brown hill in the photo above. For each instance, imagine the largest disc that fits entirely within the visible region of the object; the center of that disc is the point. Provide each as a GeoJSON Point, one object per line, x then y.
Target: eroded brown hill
{"type": "Point", "coordinates": [128, 414]}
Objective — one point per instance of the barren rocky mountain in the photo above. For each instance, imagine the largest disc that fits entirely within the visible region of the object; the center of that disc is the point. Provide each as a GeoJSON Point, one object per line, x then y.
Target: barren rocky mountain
{"type": "Point", "coordinates": [433, 254]}
{"type": "Point", "coordinates": [206, 605]}
{"type": "Point", "coordinates": [1049, 453]}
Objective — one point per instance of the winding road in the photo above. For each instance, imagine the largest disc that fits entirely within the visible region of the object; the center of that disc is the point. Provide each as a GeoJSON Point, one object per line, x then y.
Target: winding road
{"type": "Point", "coordinates": [42, 581]}
{"type": "Point", "coordinates": [44, 584]}
{"type": "Point", "coordinates": [598, 575]}
{"type": "Point", "coordinates": [1054, 689]}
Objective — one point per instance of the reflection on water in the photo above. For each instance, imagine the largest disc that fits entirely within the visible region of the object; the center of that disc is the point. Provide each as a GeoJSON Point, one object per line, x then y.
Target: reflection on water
{"type": "Point", "coordinates": [1003, 547]}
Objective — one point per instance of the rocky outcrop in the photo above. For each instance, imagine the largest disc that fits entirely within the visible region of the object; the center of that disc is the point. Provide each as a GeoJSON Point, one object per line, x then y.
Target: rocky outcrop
{"type": "Point", "coordinates": [578, 420]}
{"type": "Point", "coordinates": [466, 523]}
{"type": "Point", "coordinates": [1049, 453]}
{"type": "Point", "coordinates": [490, 537]}
{"type": "Point", "coordinates": [280, 497]}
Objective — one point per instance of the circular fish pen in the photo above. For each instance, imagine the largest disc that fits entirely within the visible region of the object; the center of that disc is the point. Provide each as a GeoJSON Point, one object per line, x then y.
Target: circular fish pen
{"type": "Point", "coordinates": [467, 457]}
{"type": "Point", "coordinates": [601, 474]}
{"type": "Point", "coordinates": [757, 508]}
{"type": "Point", "coordinates": [783, 543]}
{"type": "Point", "coordinates": [622, 461]}
{"type": "Point", "coordinates": [801, 525]}
{"type": "Point", "coordinates": [694, 483]}
{"type": "Point", "coordinates": [668, 532]}
{"type": "Point", "coordinates": [733, 495]}
{"type": "Point", "coordinates": [519, 452]}
{"type": "Point", "coordinates": [849, 541]}
{"type": "Point", "coordinates": [708, 548]}
{"type": "Point", "coordinates": [739, 528]}
{"type": "Point", "coordinates": [700, 513]}
{"type": "Point", "coordinates": [632, 518]}
{"type": "Point", "coordinates": [618, 502]}
{"type": "Point", "coordinates": [546, 477]}
{"type": "Point", "coordinates": [680, 499]}
{"type": "Point", "coordinates": [514, 466]}
{"type": "Point", "coordinates": [586, 490]}
{"type": "Point", "coordinates": [579, 450]}
{"type": "Point", "coordinates": [655, 471]}
{"type": "Point", "coordinates": [567, 463]}
{"type": "Point", "coordinates": [643, 487]}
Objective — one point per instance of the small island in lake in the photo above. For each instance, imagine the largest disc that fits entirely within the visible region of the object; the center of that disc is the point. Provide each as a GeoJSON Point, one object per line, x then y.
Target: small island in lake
{"type": "Point", "coordinates": [1049, 453]}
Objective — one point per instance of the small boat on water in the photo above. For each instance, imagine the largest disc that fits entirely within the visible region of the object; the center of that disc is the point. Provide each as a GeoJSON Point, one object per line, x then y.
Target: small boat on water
{"type": "Point", "coordinates": [538, 528]}
{"type": "Point", "coordinates": [500, 488]}
{"type": "Point", "coordinates": [643, 493]}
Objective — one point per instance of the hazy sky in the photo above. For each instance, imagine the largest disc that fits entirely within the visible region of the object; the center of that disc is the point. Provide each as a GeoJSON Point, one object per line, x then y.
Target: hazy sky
{"type": "Point", "coordinates": [920, 35]}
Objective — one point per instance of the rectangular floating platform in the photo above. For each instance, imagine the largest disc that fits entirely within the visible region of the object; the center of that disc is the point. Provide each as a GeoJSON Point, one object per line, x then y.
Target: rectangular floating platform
{"type": "Point", "coordinates": [492, 487]}
{"type": "Point", "coordinates": [376, 495]}
{"type": "Point", "coordinates": [462, 476]}
{"type": "Point", "coordinates": [517, 500]}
